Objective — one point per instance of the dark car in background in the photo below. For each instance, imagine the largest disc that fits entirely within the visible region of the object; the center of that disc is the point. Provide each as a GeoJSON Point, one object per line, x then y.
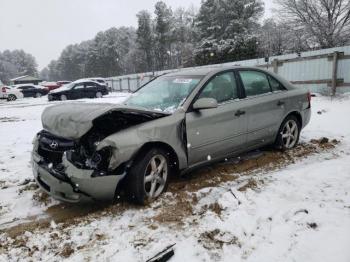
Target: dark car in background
{"type": "Point", "coordinates": [79, 89]}
{"type": "Point", "coordinates": [30, 90]}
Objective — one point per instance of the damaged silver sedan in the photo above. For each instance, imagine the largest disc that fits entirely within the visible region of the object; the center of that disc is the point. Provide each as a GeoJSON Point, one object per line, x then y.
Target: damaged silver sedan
{"type": "Point", "coordinates": [171, 125]}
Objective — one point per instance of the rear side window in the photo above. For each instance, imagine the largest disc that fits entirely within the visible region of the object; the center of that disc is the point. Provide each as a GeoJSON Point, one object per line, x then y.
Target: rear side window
{"type": "Point", "coordinates": [90, 85]}
{"type": "Point", "coordinates": [255, 83]}
{"type": "Point", "coordinates": [275, 85]}
{"type": "Point", "coordinates": [222, 88]}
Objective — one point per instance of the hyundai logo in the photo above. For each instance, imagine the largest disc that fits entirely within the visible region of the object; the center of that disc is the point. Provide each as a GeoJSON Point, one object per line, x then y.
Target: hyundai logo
{"type": "Point", "coordinates": [53, 144]}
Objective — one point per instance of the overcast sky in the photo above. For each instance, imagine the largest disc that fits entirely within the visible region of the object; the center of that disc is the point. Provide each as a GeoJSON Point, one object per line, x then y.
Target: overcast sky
{"type": "Point", "coordinates": [44, 27]}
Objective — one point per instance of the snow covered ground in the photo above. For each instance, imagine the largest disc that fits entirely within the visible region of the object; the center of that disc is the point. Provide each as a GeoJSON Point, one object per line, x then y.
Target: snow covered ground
{"type": "Point", "coordinates": [292, 207]}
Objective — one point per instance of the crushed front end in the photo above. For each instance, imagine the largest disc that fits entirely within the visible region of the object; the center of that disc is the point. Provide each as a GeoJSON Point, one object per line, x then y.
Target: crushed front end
{"type": "Point", "coordinates": [73, 170]}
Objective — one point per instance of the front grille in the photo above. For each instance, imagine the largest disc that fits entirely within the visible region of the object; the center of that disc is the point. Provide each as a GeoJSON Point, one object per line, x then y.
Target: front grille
{"type": "Point", "coordinates": [51, 147]}
{"type": "Point", "coordinates": [50, 156]}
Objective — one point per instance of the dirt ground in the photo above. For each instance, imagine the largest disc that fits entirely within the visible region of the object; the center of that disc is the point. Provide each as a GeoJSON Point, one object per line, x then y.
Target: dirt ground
{"type": "Point", "coordinates": [172, 208]}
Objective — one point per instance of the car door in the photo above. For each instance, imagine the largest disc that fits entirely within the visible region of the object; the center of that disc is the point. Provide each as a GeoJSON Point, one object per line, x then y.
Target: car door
{"type": "Point", "coordinates": [264, 109]}
{"type": "Point", "coordinates": [31, 90]}
{"type": "Point", "coordinates": [90, 89]}
{"type": "Point", "coordinates": [78, 91]}
{"type": "Point", "coordinates": [217, 132]}
{"type": "Point", "coordinates": [25, 90]}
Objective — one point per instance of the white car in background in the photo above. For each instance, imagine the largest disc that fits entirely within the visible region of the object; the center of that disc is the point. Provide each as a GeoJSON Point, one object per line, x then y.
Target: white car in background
{"type": "Point", "coordinates": [99, 80]}
{"type": "Point", "coordinates": [11, 94]}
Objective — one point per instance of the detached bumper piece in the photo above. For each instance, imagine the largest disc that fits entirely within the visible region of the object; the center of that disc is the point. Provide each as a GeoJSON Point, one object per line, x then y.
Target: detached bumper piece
{"type": "Point", "coordinates": [164, 255]}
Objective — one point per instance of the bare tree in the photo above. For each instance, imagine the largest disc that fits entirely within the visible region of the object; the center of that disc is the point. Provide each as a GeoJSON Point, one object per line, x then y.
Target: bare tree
{"type": "Point", "coordinates": [327, 22]}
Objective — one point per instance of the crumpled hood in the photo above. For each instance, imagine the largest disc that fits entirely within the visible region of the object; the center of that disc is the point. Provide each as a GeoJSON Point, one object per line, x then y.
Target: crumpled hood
{"type": "Point", "coordinates": [73, 120]}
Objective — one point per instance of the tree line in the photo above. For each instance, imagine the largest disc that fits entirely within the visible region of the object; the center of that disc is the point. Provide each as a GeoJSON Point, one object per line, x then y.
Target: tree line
{"type": "Point", "coordinates": [219, 31]}
{"type": "Point", "coordinates": [16, 63]}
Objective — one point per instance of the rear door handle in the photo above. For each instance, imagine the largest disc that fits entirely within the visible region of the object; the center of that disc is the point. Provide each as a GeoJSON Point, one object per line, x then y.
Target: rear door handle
{"type": "Point", "coordinates": [239, 113]}
{"type": "Point", "coordinates": [280, 103]}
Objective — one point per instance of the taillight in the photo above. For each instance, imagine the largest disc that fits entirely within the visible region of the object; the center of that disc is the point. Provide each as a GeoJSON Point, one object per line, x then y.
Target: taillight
{"type": "Point", "coordinates": [309, 98]}
{"type": "Point", "coordinates": [4, 89]}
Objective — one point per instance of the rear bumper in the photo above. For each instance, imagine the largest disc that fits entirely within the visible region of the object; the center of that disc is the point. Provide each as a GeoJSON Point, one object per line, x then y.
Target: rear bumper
{"type": "Point", "coordinates": [73, 184]}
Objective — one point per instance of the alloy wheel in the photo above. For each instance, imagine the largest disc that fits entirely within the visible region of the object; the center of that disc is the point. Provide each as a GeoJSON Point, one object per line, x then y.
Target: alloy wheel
{"type": "Point", "coordinates": [290, 134]}
{"type": "Point", "coordinates": [155, 176]}
{"type": "Point", "coordinates": [11, 98]}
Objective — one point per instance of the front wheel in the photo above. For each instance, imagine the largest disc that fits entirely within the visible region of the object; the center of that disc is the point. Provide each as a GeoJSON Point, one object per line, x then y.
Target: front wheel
{"type": "Point", "coordinates": [38, 95]}
{"type": "Point", "coordinates": [148, 177]}
{"type": "Point", "coordinates": [63, 97]}
{"type": "Point", "coordinates": [288, 134]}
{"type": "Point", "coordinates": [11, 98]}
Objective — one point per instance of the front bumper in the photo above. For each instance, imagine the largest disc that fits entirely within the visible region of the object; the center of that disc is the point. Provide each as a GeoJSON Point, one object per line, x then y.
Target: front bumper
{"type": "Point", "coordinates": [73, 184]}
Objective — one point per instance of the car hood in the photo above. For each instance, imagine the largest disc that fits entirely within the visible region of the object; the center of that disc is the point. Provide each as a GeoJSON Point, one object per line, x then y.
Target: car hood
{"type": "Point", "coordinates": [73, 120]}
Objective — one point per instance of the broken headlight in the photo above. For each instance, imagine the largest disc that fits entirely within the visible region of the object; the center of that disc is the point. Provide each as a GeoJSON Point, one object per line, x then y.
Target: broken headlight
{"type": "Point", "coordinates": [97, 160]}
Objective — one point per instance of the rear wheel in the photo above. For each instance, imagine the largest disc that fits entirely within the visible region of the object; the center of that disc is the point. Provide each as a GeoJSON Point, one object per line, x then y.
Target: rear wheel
{"type": "Point", "coordinates": [63, 97]}
{"type": "Point", "coordinates": [37, 95]}
{"type": "Point", "coordinates": [98, 94]}
{"type": "Point", "coordinates": [148, 177]}
{"type": "Point", "coordinates": [11, 98]}
{"type": "Point", "coordinates": [288, 134]}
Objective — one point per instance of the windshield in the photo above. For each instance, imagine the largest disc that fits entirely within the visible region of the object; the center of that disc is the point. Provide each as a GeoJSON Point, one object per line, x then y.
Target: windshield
{"type": "Point", "coordinates": [164, 94]}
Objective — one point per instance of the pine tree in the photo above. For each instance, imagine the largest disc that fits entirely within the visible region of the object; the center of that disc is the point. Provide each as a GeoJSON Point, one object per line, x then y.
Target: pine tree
{"type": "Point", "coordinates": [145, 41]}
{"type": "Point", "coordinates": [226, 28]}
{"type": "Point", "coordinates": [163, 27]}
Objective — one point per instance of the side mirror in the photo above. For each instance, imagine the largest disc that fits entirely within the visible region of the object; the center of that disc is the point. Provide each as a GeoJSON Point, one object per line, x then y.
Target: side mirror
{"type": "Point", "coordinates": [205, 103]}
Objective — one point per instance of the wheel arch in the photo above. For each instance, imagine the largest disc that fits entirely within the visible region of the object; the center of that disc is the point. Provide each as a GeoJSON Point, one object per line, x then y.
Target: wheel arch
{"type": "Point", "coordinates": [299, 118]}
{"type": "Point", "coordinates": [173, 157]}
{"type": "Point", "coordinates": [297, 115]}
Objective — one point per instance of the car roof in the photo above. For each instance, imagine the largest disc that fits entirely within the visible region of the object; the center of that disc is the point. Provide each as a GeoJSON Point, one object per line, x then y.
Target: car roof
{"type": "Point", "coordinates": [208, 70]}
{"type": "Point", "coordinates": [192, 72]}
{"type": "Point", "coordinates": [83, 81]}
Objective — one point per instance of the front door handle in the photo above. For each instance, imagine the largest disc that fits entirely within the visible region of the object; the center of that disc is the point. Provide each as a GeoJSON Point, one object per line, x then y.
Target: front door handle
{"type": "Point", "coordinates": [239, 113]}
{"type": "Point", "coordinates": [280, 103]}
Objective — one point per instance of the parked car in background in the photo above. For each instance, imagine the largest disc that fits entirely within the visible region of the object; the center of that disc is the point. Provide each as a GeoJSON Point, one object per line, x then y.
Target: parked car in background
{"type": "Point", "coordinates": [79, 89]}
{"type": "Point", "coordinates": [30, 90]}
{"type": "Point", "coordinates": [50, 85]}
{"type": "Point", "coordinates": [62, 83]}
{"type": "Point", "coordinates": [99, 80]}
{"type": "Point", "coordinates": [10, 94]}
{"type": "Point", "coordinates": [172, 124]}
{"type": "Point", "coordinates": [54, 85]}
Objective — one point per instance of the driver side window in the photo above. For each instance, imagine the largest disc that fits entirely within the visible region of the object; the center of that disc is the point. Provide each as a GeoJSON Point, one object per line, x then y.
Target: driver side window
{"type": "Point", "coordinates": [222, 88]}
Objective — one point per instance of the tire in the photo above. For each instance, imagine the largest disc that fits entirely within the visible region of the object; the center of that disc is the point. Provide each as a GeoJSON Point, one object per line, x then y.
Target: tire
{"type": "Point", "coordinates": [63, 97]}
{"type": "Point", "coordinates": [98, 95]}
{"type": "Point", "coordinates": [288, 134]}
{"type": "Point", "coordinates": [141, 185]}
{"type": "Point", "coordinates": [11, 97]}
{"type": "Point", "coordinates": [38, 95]}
